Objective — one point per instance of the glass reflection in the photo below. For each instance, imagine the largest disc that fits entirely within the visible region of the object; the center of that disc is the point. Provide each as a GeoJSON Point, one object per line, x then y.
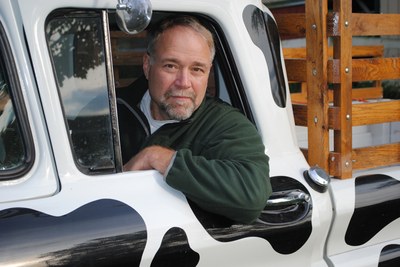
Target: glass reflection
{"type": "Point", "coordinates": [77, 49]}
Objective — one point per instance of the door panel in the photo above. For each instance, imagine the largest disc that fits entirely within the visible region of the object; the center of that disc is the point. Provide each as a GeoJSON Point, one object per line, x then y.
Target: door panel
{"type": "Point", "coordinates": [26, 162]}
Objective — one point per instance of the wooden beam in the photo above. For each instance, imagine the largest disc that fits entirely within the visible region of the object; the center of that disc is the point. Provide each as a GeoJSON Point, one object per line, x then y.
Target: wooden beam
{"type": "Point", "coordinates": [376, 112]}
{"type": "Point", "coordinates": [367, 51]}
{"type": "Point", "coordinates": [362, 113]}
{"type": "Point", "coordinates": [317, 86]}
{"type": "Point", "coordinates": [294, 52]}
{"type": "Point", "coordinates": [293, 27]}
{"type": "Point", "coordinates": [296, 69]}
{"type": "Point", "coordinates": [342, 45]}
{"type": "Point", "coordinates": [366, 24]}
{"type": "Point", "coordinates": [376, 69]}
{"type": "Point", "coordinates": [362, 94]}
{"type": "Point", "coordinates": [359, 51]}
{"type": "Point", "coordinates": [300, 114]}
{"type": "Point", "coordinates": [376, 156]}
{"type": "Point", "coordinates": [367, 69]}
{"type": "Point", "coordinates": [375, 24]}
{"type": "Point", "coordinates": [300, 118]}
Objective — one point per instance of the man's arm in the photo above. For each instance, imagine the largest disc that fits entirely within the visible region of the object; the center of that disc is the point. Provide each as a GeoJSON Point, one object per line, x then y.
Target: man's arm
{"type": "Point", "coordinates": [228, 174]}
{"type": "Point", "coordinates": [153, 157]}
{"type": "Point", "coordinates": [230, 177]}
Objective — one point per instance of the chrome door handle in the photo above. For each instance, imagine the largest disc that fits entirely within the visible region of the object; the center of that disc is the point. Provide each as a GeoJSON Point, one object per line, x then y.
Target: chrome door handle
{"type": "Point", "coordinates": [287, 198]}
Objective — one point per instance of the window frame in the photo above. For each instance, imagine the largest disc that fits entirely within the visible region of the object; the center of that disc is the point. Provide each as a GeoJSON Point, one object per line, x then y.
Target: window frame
{"type": "Point", "coordinates": [20, 111]}
{"type": "Point", "coordinates": [227, 69]}
{"type": "Point", "coordinates": [105, 39]}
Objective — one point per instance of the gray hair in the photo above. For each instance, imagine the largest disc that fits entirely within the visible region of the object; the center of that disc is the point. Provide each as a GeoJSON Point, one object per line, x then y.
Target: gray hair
{"type": "Point", "coordinates": [182, 20]}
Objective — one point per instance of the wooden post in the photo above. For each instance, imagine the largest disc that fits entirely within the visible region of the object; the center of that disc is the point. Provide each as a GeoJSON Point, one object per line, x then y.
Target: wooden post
{"type": "Point", "coordinates": [317, 82]}
{"type": "Point", "coordinates": [341, 158]}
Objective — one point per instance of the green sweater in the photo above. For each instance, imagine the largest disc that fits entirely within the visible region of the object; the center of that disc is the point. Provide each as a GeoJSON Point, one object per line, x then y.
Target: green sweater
{"type": "Point", "coordinates": [220, 162]}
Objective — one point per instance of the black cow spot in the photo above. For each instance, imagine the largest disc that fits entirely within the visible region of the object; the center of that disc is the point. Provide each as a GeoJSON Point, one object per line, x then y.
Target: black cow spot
{"type": "Point", "coordinates": [390, 256]}
{"type": "Point", "coordinates": [376, 205]}
{"type": "Point", "coordinates": [175, 251]}
{"type": "Point", "coordinates": [101, 233]}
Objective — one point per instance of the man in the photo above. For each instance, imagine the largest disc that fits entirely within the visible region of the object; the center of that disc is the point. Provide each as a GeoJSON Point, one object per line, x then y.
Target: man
{"type": "Point", "coordinates": [203, 147]}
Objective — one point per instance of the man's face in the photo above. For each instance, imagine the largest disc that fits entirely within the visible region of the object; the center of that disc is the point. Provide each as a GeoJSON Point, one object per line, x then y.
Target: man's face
{"type": "Point", "coordinates": [177, 73]}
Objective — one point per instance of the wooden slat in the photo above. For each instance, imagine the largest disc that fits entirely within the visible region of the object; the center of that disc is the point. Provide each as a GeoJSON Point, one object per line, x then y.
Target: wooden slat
{"type": "Point", "coordinates": [300, 114]}
{"type": "Point", "coordinates": [367, 93]}
{"type": "Point", "coordinates": [366, 24]}
{"type": "Point", "coordinates": [376, 156]}
{"type": "Point", "coordinates": [367, 158]}
{"type": "Point", "coordinates": [375, 24]}
{"type": "Point", "coordinates": [367, 69]}
{"type": "Point", "coordinates": [293, 27]}
{"type": "Point", "coordinates": [358, 51]}
{"type": "Point", "coordinates": [357, 94]}
{"type": "Point", "coordinates": [376, 69]}
{"type": "Point", "coordinates": [335, 166]}
{"type": "Point", "coordinates": [342, 91]}
{"type": "Point", "coordinates": [317, 86]}
{"type": "Point", "coordinates": [296, 69]}
{"type": "Point", "coordinates": [368, 51]}
{"type": "Point", "coordinates": [362, 113]}
{"type": "Point", "coordinates": [376, 112]}
{"type": "Point", "coordinates": [294, 52]}
{"type": "Point", "coordinates": [334, 118]}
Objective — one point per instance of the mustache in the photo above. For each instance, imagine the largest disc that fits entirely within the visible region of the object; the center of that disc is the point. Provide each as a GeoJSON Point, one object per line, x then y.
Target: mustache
{"type": "Point", "coordinates": [181, 93]}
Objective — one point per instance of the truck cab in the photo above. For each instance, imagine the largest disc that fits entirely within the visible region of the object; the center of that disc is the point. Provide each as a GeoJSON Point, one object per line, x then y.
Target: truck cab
{"type": "Point", "coordinates": [67, 68]}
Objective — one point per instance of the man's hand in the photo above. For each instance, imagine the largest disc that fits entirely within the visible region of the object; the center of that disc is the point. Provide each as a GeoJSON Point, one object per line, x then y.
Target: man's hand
{"type": "Point", "coordinates": [151, 158]}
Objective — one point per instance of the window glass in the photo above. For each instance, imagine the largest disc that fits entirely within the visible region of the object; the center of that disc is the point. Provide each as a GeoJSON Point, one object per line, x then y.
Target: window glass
{"type": "Point", "coordinates": [76, 45]}
{"type": "Point", "coordinates": [16, 145]}
{"type": "Point", "coordinates": [12, 151]}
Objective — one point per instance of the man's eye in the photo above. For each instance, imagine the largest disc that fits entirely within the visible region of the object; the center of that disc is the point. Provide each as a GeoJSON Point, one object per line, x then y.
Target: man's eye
{"type": "Point", "coordinates": [169, 67]}
{"type": "Point", "coordinates": [198, 69]}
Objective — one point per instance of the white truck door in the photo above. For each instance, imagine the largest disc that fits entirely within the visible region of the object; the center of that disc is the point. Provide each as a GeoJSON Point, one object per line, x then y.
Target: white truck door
{"type": "Point", "coordinates": [26, 161]}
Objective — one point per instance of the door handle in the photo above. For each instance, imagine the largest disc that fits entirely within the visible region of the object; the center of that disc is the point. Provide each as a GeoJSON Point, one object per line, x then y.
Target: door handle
{"type": "Point", "coordinates": [287, 198]}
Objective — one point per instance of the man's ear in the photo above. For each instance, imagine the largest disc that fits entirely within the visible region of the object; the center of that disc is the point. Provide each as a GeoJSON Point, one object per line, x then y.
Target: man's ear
{"type": "Point", "coordinates": [146, 65]}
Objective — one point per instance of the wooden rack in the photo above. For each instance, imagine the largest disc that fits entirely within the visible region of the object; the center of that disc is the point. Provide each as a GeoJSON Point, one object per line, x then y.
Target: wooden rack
{"type": "Point", "coordinates": [319, 66]}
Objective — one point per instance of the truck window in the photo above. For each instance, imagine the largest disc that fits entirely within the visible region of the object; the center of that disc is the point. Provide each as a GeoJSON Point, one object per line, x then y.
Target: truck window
{"type": "Point", "coordinates": [77, 49]}
{"type": "Point", "coordinates": [224, 81]}
{"type": "Point", "coordinates": [128, 51]}
{"type": "Point", "coordinates": [130, 84]}
{"type": "Point", "coordinates": [80, 56]}
{"type": "Point", "coordinates": [16, 151]}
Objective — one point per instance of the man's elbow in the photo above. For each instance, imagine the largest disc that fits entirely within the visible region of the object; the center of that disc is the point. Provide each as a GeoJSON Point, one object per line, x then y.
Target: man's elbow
{"type": "Point", "coordinates": [251, 209]}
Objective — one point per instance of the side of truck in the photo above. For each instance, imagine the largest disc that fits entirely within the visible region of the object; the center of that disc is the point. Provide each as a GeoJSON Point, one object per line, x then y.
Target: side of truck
{"type": "Point", "coordinates": [64, 200]}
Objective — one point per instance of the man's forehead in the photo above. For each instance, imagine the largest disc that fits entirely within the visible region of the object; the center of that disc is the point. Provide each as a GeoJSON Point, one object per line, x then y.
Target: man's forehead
{"type": "Point", "coordinates": [182, 45]}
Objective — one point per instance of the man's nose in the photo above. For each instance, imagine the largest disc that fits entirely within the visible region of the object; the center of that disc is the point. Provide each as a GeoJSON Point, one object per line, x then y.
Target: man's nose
{"type": "Point", "coordinates": [183, 78]}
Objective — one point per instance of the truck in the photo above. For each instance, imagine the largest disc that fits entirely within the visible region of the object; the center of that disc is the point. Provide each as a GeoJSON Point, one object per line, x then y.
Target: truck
{"type": "Point", "coordinates": [64, 198]}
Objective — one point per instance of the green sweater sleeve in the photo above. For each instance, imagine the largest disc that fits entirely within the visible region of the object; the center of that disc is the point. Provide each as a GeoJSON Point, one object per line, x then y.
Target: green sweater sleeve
{"type": "Point", "coordinates": [230, 176]}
